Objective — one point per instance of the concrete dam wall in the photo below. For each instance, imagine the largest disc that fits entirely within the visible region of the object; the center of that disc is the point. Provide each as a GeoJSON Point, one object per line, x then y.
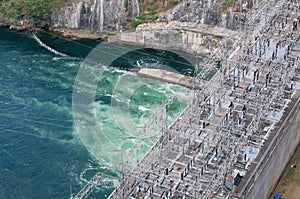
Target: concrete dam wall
{"type": "Point", "coordinates": [275, 155]}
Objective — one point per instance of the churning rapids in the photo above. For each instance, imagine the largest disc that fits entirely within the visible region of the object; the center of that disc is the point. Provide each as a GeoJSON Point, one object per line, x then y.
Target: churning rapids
{"type": "Point", "coordinates": [41, 153]}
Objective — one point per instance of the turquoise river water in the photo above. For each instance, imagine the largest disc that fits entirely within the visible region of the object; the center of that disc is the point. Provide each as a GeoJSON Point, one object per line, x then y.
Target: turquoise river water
{"type": "Point", "coordinates": [42, 154]}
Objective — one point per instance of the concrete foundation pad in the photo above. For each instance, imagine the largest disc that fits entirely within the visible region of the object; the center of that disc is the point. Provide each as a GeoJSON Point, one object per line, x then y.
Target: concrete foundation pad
{"type": "Point", "coordinates": [169, 77]}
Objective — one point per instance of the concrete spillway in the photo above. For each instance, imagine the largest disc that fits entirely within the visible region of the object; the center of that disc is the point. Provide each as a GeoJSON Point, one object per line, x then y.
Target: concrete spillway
{"type": "Point", "coordinates": [169, 77]}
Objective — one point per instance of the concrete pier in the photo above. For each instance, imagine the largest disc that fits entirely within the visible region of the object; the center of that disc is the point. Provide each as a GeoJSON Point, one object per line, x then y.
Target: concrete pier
{"type": "Point", "coordinates": [169, 77]}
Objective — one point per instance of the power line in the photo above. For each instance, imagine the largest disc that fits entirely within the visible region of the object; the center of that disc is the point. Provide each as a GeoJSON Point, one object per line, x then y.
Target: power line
{"type": "Point", "coordinates": [36, 121]}
{"type": "Point", "coordinates": [43, 118]}
{"type": "Point", "coordinates": [39, 136]}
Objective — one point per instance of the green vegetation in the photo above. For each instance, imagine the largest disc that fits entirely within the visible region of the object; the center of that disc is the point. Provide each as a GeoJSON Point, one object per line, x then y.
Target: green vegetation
{"type": "Point", "coordinates": [150, 10]}
{"type": "Point", "coordinates": [38, 12]}
{"type": "Point", "coordinates": [32, 12]}
{"type": "Point", "coordinates": [289, 178]}
{"type": "Point", "coordinates": [227, 4]}
{"type": "Point", "coordinates": [109, 33]}
{"type": "Point", "coordinates": [292, 176]}
{"type": "Point", "coordinates": [174, 2]}
{"type": "Point", "coordinates": [145, 17]}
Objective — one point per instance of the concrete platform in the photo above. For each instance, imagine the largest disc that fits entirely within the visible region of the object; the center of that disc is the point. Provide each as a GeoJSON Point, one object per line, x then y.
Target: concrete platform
{"type": "Point", "coordinates": [169, 77]}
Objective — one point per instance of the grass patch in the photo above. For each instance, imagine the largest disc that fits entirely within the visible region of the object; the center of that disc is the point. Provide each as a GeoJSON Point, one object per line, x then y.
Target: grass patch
{"type": "Point", "coordinates": [150, 10]}
{"type": "Point", "coordinates": [174, 2]}
{"type": "Point", "coordinates": [227, 4]}
{"type": "Point", "coordinates": [292, 177]}
{"type": "Point", "coordinates": [145, 17]}
{"type": "Point", "coordinates": [109, 33]}
{"type": "Point", "coordinates": [136, 23]}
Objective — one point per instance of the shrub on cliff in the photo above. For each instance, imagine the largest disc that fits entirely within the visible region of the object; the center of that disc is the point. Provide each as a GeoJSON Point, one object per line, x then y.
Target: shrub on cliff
{"type": "Point", "coordinates": [150, 10]}
{"type": "Point", "coordinates": [33, 12]}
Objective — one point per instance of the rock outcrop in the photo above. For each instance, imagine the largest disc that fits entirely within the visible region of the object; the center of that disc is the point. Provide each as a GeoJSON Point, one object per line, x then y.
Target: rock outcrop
{"type": "Point", "coordinates": [117, 15]}
{"type": "Point", "coordinates": [224, 13]}
{"type": "Point", "coordinates": [194, 26]}
{"type": "Point", "coordinates": [96, 15]}
{"type": "Point", "coordinates": [185, 36]}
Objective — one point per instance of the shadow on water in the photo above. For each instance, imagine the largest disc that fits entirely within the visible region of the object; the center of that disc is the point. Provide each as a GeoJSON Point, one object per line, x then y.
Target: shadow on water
{"type": "Point", "coordinates": [151, 58]}
{"type": "Point", "coordinates": [136, 58]}
{"type": "Point", "coordinates": [70, 46]}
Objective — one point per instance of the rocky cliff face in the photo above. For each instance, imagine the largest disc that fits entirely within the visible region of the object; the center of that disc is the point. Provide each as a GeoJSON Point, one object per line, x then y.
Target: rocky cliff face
{"type": "Point", "coordinates": [224, 13]}
{"type": "Point", "coordinates": [107, 15]}
{"type": "Point", "coordinates": [184, 36]}
{"type": "Point", "coordinates": [96, 15]}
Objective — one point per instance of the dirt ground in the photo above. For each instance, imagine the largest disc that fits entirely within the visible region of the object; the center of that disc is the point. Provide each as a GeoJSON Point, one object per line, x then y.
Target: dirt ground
{"type": "Point", "coordinates": [78, 33]}
{"type": "Point", "coordinates": [289, 185]}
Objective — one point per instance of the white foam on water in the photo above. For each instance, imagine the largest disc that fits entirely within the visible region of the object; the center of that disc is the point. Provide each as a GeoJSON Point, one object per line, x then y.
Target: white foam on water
{"type": "Point", "coordinates": [48, 47]}
{"type": "Point", "coordinates": [142, 108]}
{"type": "Point", "coordinates": [106, 140]}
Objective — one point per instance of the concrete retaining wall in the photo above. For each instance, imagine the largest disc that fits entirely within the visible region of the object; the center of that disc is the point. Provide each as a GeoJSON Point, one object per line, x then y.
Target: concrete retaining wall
{"type": "Point", "coordinates": [169, 39]}
{"type": "Point", "coordinates": [276, 153]}
{"type": "Point", "coordinates": [189, 38]}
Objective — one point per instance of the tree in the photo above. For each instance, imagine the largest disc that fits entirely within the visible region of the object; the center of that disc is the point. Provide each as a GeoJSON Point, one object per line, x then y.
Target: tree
{"type": "Point", "coordinates": [37, 11]}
